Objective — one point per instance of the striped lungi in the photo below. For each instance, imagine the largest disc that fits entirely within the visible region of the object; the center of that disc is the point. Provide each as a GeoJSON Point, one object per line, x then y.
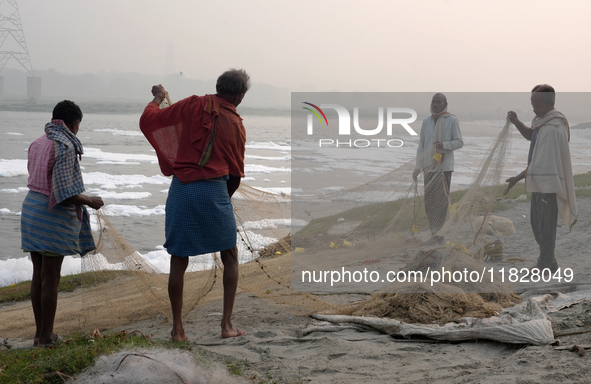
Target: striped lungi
{"type": "Point", "coordinates": [58, 231]}
{"type": "Point", "coordinates": [199, 218]}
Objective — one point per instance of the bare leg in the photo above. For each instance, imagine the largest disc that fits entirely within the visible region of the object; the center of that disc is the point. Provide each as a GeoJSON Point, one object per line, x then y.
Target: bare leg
{"type": "Point", "coordinates": [230, 261]}
{"type": "Point", "coordinates": [50, 276]}
{"type": "Point", "coordinates": [36, 282]}
{"type": "Point", "coordinates": [176, 281]}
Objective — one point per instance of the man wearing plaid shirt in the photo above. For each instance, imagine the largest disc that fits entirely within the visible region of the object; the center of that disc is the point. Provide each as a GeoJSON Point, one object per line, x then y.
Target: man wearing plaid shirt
{"type": "Point", "coordinates": [54, 220]}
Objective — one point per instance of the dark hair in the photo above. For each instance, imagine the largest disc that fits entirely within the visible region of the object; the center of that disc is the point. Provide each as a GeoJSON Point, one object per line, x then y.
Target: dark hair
{"type": "Point", "coordinates": [442, 95]}
{"type": "Point", "coordinates": [67, 111]}
{"type": "Point", "coordinates": [233, 82]}
{"type": "Point", "coordinates": [549, 95]}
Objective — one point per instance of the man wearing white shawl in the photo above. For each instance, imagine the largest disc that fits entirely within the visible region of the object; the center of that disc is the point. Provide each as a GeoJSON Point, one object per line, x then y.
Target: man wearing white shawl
{"type": "Point", "coordinates": [440, 136]}
{"type": "Point", "coordinates": [549, 175]}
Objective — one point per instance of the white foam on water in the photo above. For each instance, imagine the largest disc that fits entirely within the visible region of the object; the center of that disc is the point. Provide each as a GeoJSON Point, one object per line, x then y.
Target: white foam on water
{"type": "Point", "coordinates": [108, 195]}
{"type": "Point", "coordinates": [13, 167]}
{"type": "Point", "coordinates": [369, 197]}
{"type": "Point", "coordinates": [273, 223]}
{"type": "Point", "coordinates": [256, 241]}
{"type": "Point", "coordinates": [580, 134]}
{"type": "Point", "coordinates": [14, 133]}
{"type": "Point", "coordinates": [96, 153]}
{"type": "Point", "coordinates": [108, 162]}
{"type": "Point", "coordinates": [332, 189]}
{"type": "Point", "coordinates": [132, 210]}
{"type": "Point", "coordinates": [15, 270]}
{"type": "Point", "coordinates": [99, 262]}
{"type": "Point", "coordinates": [258, 168]}
{"type": "Point", "coordinates": [15, 190]}
{"type": "Point", "coordinates": [120, 132]}
{"type": "Point", "coordinates": [6, 211]}
{"type": "Point", "coordinates": [286, 191]}
{"type": "Point", "coordinates": [268, 145]}
{"type": "Point", "coordinates": [461, 180]}
{"type": "Point", "coordinates": [268, 158]}
{"type": "Point", "coordinates": [489, 123]}
{"type": "Point", "coordinates": [107, 181]}
{"type": "Point", "coordinates": [161, 260]}
{"type": "Point", "coordinates": [310, 158]}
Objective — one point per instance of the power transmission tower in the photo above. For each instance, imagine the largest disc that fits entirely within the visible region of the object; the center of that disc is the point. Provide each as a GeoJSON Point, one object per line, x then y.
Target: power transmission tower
{"type": "Point", "coordinates": [10, 25]}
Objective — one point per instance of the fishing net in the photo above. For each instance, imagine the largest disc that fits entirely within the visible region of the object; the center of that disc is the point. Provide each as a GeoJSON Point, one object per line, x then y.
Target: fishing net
{"type": "Point", "coordinates": [355, 233]}
{"type": "Point", "coordinates": [384, 226]}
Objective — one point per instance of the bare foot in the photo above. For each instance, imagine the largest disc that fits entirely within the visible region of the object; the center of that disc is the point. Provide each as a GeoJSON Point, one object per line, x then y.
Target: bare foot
{"type": "Point", "coordinates": [232, 333]}
{"type": "Point", "coordinates": [178, 335]}
{"type": "Point", "coordinates": [54, 340]}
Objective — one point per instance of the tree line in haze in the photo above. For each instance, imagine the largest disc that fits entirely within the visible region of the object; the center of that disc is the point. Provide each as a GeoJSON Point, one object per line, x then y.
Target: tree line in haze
{"type": "Point", "coordinates": [118, 86]}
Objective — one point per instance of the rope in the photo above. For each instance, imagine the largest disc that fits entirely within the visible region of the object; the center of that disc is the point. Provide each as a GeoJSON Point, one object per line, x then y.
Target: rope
{"type": "Point", "coordinates": [492, 251]}
{"type": "Point", "coordinates": [585, 330]}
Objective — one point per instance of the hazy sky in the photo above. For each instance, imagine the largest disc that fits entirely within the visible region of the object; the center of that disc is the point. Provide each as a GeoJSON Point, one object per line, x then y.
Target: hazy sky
{"type": "Point", "coordinates": [430, 45]}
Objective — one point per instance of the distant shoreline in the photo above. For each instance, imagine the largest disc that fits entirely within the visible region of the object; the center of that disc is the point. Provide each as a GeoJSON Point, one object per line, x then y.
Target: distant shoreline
{"type": "Point", "coordinates": [126, 107]}
{"type": "Point", "coordinates": [123, 107]}
{"type": "Point", "coordinates": [116, 107]}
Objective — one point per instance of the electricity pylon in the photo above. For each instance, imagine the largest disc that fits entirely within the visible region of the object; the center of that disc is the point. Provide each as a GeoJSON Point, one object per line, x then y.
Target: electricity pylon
{"type": "Point", "coordinates": [10, 25]}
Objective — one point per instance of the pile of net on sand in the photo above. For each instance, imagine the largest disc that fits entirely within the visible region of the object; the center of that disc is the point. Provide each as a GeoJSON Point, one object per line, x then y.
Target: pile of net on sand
{"type": "Point", "coordinates": [437, 303]}
{"type": "Point", "coordinates": [276, 249]}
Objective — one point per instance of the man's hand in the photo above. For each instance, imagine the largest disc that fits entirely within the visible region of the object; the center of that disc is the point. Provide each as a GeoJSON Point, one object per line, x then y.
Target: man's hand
{"type": "Point", "coordinates": [95, 202]}
{"type": "Point", "coordinates": [438, 145]}
{"type": "Point", "coordinates": [233, 184]}
{"type": "Point", "coordinates": [525, 131]}
{"type": "Point", "coordinates": [513, 117]}
{"type": "Point", "coordinates": [159, 93]}
{"type": "Point", "coordinates": [512, 181]}
{"type": "Point", "coordinates": [415, 174]}
{"type": "Point", "coordinates": [92, 201]}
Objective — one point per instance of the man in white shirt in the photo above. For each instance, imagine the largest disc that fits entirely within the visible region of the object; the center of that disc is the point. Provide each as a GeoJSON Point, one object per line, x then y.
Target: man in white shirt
{"type": "Point", "coordinates": [549, 175]}
{"type": "Point", "coordinates": [440, 137]}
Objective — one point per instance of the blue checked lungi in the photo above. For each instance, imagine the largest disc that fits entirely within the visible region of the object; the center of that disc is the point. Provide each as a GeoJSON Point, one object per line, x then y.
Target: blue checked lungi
{"type": "Point", "coordinates": [58, 231]}
{"type": "Point", "coordinates": [199, 218]}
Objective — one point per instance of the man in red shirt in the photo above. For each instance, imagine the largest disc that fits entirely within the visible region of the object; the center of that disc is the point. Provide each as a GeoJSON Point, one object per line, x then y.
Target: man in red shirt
{"type": "Point", "coordinates": [200, 141]}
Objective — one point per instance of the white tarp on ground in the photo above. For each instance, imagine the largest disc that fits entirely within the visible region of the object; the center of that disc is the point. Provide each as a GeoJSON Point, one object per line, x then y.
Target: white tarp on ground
{"type": "Point", "coordinates": [553, 302]}
{"type": "Point", "coordinates": [524, 323]}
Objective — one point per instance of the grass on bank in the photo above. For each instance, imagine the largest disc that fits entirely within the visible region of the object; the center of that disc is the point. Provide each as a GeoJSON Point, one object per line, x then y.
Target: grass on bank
{"type": "Point", "coordinates": [378, 216]}
{"type": "Point", "coordinates": [70, 357]}
{"type": "Point", "coordinates": [79, 352]}
{"type": "Point", "coordinates": [22, 291]}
